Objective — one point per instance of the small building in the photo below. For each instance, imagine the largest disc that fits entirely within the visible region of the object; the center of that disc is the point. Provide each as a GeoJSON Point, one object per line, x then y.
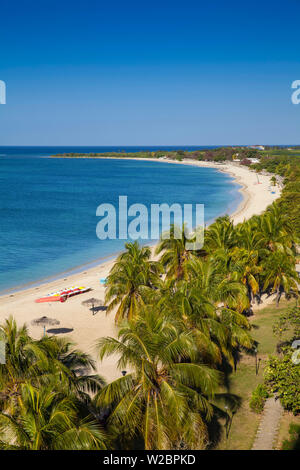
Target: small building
{"type": "Point", "coordinates": [257, 147]}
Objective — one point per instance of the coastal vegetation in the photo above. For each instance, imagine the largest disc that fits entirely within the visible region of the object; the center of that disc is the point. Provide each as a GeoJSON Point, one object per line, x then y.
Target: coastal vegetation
{"type": "Point", "coordinates": [185, 328]}
{"type": "Point", "coordinates": [45, 394]}
{"type": "Point", "coordinates": [184, 324]}
{"type": "Point", "coordinates": [282, 372]}
{"type": "Point", "coordinates": [217, 154]}
{"type": "Point", "coordinates": [248, 382]}
{"type": "Point", "coordinates": [167, 395]}
{"type": "Point", "coordinates": [285, 166]}
{"type": "Point", "coordinates": [211, 294]}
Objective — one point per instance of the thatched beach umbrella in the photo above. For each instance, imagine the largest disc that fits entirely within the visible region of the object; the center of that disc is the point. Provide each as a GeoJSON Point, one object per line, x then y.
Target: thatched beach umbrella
{"type": "Point", "coordinates": [93, 303]}
{"type": "Point", "coordinates": [45, 321]}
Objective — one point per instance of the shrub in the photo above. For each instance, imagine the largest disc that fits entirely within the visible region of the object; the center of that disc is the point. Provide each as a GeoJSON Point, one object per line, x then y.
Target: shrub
{"type": "Point", "coordinates": [294, 442]}
{"type": "Point", "coordinates": [282, 376]}
{"type": "Point", "coordinates": [258, 398]}
{"type": "Point", "coordinates": [246, 162]}
{"type": "Point", "coordinates": [288, 324]}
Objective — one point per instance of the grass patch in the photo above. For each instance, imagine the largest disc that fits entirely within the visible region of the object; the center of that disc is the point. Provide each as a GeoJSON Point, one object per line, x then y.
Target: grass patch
{"type": "Point", "coordinates": [242, 382]}
{"type": "Point", "coordinates": [285, 422]}
{"type": "Point", "coordinates": [244, 422]}
{"type": "Point", "coordinates": [262, 327]}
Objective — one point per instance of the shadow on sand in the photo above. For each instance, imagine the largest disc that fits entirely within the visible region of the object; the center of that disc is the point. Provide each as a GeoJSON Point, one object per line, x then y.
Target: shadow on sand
{"type": "Point", "coordinates": [59, 331]}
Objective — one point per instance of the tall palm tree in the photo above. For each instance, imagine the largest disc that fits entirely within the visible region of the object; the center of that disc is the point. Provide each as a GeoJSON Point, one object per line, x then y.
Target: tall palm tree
{"type": "Point", "coordinates": [220, 235]}
{"type": "Point", "coordinates": [130, 281]}
{"type": "Point", "coordinates": [46, 362]}
{"type": "Point", "coordinates": [246, 234]}
{"type": "Point", "coordinates": [280, 275]}
{"type": "Point", "coordinates": [165, 398]}
{"type": "Point", "coordinates": [218, 330]}
{"type": "Point", "coordinates": [184, 300]}
{"type": "Point", "coordinates": [136, 254]}
{"type": "Point", "coordinates": [174, 252]}
{"type": "Point", "coordinates": [18, 360]}
{"type": "Point", "coordinates": [16, 340]}
{"type": "Point", "coordinates": [274, 231]}
{"type": "Point", "coordinates": [67, 367]}
{"type": "Point", "coordinates": [48, 420]}
{"type": "Point", "coordinates": [217, 283]}
{"type": "Point", "coordinates": [245, 265]}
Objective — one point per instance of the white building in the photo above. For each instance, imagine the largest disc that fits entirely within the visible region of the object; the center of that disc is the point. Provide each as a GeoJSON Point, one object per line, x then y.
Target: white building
{"type": "Point", "coordinates": [257, 147]}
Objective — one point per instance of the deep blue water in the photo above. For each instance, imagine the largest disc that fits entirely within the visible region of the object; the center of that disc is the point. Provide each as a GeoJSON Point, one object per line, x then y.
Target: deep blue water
{"type": "Point", "coordinates": [48, 206]}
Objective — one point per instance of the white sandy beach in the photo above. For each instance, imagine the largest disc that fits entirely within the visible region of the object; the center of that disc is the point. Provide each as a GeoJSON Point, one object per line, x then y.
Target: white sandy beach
{"type": "Point", "coordinates": [80, 325]}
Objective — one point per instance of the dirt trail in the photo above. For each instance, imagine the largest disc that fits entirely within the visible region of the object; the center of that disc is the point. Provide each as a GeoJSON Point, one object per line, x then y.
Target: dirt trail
{"type": "Point", "coordinates": [267, 432]}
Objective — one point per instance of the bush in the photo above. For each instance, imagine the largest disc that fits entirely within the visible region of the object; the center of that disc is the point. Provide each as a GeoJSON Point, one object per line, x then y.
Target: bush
{"type": "Point", "coordinates": [246, 162]}
{"type": "Point", "coordinates": [288, 324]}
{"type": "Point", "coordinates": [294, 442]}
{"type": "Point", "coordinates": [282, 377]}
{"type": "Point", "coordinates": [258, 398]}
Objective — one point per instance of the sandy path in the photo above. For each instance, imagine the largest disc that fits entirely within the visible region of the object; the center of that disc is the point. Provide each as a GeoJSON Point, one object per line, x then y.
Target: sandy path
{"type": "Point", "coordinates": [269, 425]}
{"type": "Point", "coordinates": [85, 328]}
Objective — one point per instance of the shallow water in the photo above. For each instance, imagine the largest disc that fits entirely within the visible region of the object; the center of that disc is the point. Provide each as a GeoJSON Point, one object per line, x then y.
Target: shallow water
{"type": "Point", "coordinates": [48, 206]}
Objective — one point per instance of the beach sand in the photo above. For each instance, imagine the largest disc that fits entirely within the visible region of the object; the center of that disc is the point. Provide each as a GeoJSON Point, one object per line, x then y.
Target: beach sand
{"type": "Point", "coordinates": [76, 321]}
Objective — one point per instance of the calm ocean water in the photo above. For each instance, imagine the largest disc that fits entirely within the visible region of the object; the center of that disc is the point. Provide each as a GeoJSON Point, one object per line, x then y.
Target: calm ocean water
{"type": "Point", "coordinates": [48, 206]}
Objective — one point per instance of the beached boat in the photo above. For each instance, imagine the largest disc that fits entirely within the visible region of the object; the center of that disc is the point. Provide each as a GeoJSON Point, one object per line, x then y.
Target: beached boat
{"type": "Point", "coordinates": [63, 294]}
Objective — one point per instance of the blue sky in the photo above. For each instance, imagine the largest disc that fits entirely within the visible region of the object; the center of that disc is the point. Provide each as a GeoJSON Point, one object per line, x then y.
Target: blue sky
{"type": "Point", "coordinates": [155, 73]}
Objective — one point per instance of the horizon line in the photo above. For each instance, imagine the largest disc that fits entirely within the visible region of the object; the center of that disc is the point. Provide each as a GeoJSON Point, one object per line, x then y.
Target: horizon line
{"type": "Point", "coordinates": [152, 145]}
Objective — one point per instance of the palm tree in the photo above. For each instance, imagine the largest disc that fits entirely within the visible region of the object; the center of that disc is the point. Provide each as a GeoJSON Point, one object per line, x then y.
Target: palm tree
{"type": "Point", "coordinates": [44, 393]}
{"type": "Point", "coordinates": [16, 339]}
{"type": "Point", "coordinates": [245, 265]}
{"type": "Point", "coordinates": [218, 330]}
{"type": "Point", "coordinates": [175, 255]}
{"type": "Point", "coordinates": [246, 234]}
{"type": "Point", "coordinates": [274, 231]}
{"type": "Point", "coordinates": [18, 360]}
{"type": "Point", "coordinates": [136, 254]}
{"type": "Point", "coordinates": [67, 367]}
{"type": "Point", "coordinates": [165, 398]}
{"type": "Point", "coordinates": [220, 235]}
{"type": "Point", "coordinates": [46, 362]}
{"type": "Point", "coordinates": [185, 301]}
{"type": "Point", "coordinates": [130, 281]}
{"type": "Point", "coordinates": [280, 275]}
{"type": "Point", "coordinates": [217, 282]}
{"type": "Point", "coordinates": [48, 420]}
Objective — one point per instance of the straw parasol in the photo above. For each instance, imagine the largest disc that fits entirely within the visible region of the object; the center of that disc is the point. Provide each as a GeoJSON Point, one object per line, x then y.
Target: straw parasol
{"type": "Point", "coordinates": [93, 303]}
{"type": "Point", "coordinates": [45, 321]}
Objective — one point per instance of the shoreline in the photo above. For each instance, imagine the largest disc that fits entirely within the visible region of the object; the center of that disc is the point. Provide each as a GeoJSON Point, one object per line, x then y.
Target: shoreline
{"type": "Point", "coordinates": [84, 268]}
{"type": "Point", "coordinates": [77, 320]}
{"type": "Point", "coordinates": [203, 164]}
{"type": "Point", "coordinates": [79, 269]}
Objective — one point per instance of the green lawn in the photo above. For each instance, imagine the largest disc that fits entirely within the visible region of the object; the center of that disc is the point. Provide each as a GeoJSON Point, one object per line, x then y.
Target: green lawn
{"type": "Point", "coordinates": [244, 380]}
{"type": "Point", "coordinates": [262, 327]}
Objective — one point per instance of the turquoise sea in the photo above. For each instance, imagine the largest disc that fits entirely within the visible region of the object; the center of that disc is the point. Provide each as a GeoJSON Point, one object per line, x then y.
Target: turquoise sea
{"type": "Point", "coordinates": [48, 206]}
